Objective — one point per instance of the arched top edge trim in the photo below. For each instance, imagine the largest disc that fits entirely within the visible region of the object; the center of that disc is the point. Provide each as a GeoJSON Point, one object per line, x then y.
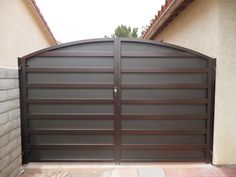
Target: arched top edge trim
{"type": "Point", "coordinates": [116, 39]}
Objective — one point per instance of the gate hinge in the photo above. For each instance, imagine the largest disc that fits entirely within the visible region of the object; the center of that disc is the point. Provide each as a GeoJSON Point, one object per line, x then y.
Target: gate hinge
{"type": "Point", "coordinates": [20, 67]}
{"type": "Point", "coordinates": [210, 154]}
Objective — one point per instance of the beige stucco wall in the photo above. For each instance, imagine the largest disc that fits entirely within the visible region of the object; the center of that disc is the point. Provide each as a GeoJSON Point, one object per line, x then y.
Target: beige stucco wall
{"type": "Point", "coordinates": [197, 24]}
{"type": "Point", "coordinates": [209, 27]}
{"type": "Point", "coordinates": [20, 33]}
{"type": "Point", "coordinates": [225, 107]}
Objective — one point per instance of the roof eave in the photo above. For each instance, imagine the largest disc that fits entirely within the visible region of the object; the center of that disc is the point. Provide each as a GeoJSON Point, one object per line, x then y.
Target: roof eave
{"type": "Point", "coordinates": [165, 18]}
{"type": "Point", "coordinates": [32, 4]}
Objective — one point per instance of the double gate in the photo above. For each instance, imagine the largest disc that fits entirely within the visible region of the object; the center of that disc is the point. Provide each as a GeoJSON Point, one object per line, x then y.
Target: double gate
{"type": "Point", "coordinates": [118, 100]}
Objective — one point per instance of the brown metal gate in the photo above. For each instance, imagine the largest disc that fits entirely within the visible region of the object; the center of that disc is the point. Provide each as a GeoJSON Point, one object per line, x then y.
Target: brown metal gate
{"type": "Point", "coordinates": [118, 100]}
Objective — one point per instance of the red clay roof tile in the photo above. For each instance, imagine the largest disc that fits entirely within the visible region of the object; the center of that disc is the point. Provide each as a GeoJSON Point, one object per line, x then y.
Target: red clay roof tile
{"type": "Point", "coordinates": [164, 8]}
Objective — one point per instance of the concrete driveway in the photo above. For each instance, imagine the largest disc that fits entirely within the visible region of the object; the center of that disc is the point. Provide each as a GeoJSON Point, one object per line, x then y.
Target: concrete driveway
{"type": "Point", "coordinates": [126, 170]}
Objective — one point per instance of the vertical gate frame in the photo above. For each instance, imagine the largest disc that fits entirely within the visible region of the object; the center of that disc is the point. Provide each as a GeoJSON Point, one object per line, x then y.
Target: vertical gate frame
{"type": "Point", "coordinates": [213, 82]}
{"type": "Point", "coordinates": [209, 106]}
{"type": "Point", "coordinates": [117, 100]}
{"type": "Point", "coordinates": [23, 110]}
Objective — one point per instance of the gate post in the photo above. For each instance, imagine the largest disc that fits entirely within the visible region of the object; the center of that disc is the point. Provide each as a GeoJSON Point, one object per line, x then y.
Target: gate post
{"type": "Point", "coordinates": [23, 110]}
{"type": "Point", "coordinates": [117, 99]}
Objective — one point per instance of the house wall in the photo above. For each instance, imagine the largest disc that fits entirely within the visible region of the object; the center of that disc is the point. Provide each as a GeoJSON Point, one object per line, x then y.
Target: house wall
{"type": "Point", "coordinates": [197, 24]}
{"type": "Point", "coordinates": [20, 33]}
{"type": "Point", "coordinates": [225, 112]}
{"type": "Point", "coordinates": [10, 138]}
{"type": "Point", "coordinates": [208, 26]}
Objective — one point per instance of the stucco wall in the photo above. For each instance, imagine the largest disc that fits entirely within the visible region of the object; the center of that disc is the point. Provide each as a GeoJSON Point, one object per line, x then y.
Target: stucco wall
{"type": "Point", "coordinates": [209, 27]}
{"type": "Point", "coordinates": [197, 24]}
{"type": "Point", "coordinates": [225, 107]}
{"type": "Point", "coordinates": [20, 33]}
{"type": "Point", "coordinates": [10, 139]}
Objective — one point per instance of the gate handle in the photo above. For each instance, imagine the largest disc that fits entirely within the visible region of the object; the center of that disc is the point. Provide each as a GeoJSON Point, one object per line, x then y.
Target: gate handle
{"type": "Point", "coordinates": [115, 91]}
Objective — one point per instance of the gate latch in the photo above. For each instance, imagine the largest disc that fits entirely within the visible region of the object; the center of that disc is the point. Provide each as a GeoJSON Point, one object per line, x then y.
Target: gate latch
{"type": "Point", "coordinates": [115, 90]}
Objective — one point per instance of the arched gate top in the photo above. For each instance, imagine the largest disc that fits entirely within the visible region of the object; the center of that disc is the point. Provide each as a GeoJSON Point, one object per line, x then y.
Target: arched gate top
{"type": "Point", "coordinates": [171, 47]}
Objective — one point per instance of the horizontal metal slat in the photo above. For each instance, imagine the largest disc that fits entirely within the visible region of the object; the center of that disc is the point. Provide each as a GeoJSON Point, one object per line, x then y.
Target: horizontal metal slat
{"type": "Point", "coordinates": [72, 147]}
{"type": "Point", "coordinates": [175, 54]}
{"type": "Point", "coordinates": [165, 146]}
{"type": "Point", "coordinates": [70, 70]}
{"type": "Point", "coordinates": [70, 132]}
{"type": "Point", "coordinates": [164, 70]}
{"type": "Point", "coordinates": [165, 160]}
{"type": "Point", "coordinates": [69, 85]}
{"type": "Point", "coordinates": [70, 117]}
{"type": "Point", "coordinates": [71, 160]}
{"type": "Point", "coordinates": [163, 132]}
{"type": "Point", "coordinates": [69, 101]}
{"type": "Point", "coordinates": [145, 101]}
{"type": "Point", "coordinates": [162, 86]}
{"type": "Point", "coordinates": [164, 117]}
{"type": "Point", "coordinates": [76, 54]}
